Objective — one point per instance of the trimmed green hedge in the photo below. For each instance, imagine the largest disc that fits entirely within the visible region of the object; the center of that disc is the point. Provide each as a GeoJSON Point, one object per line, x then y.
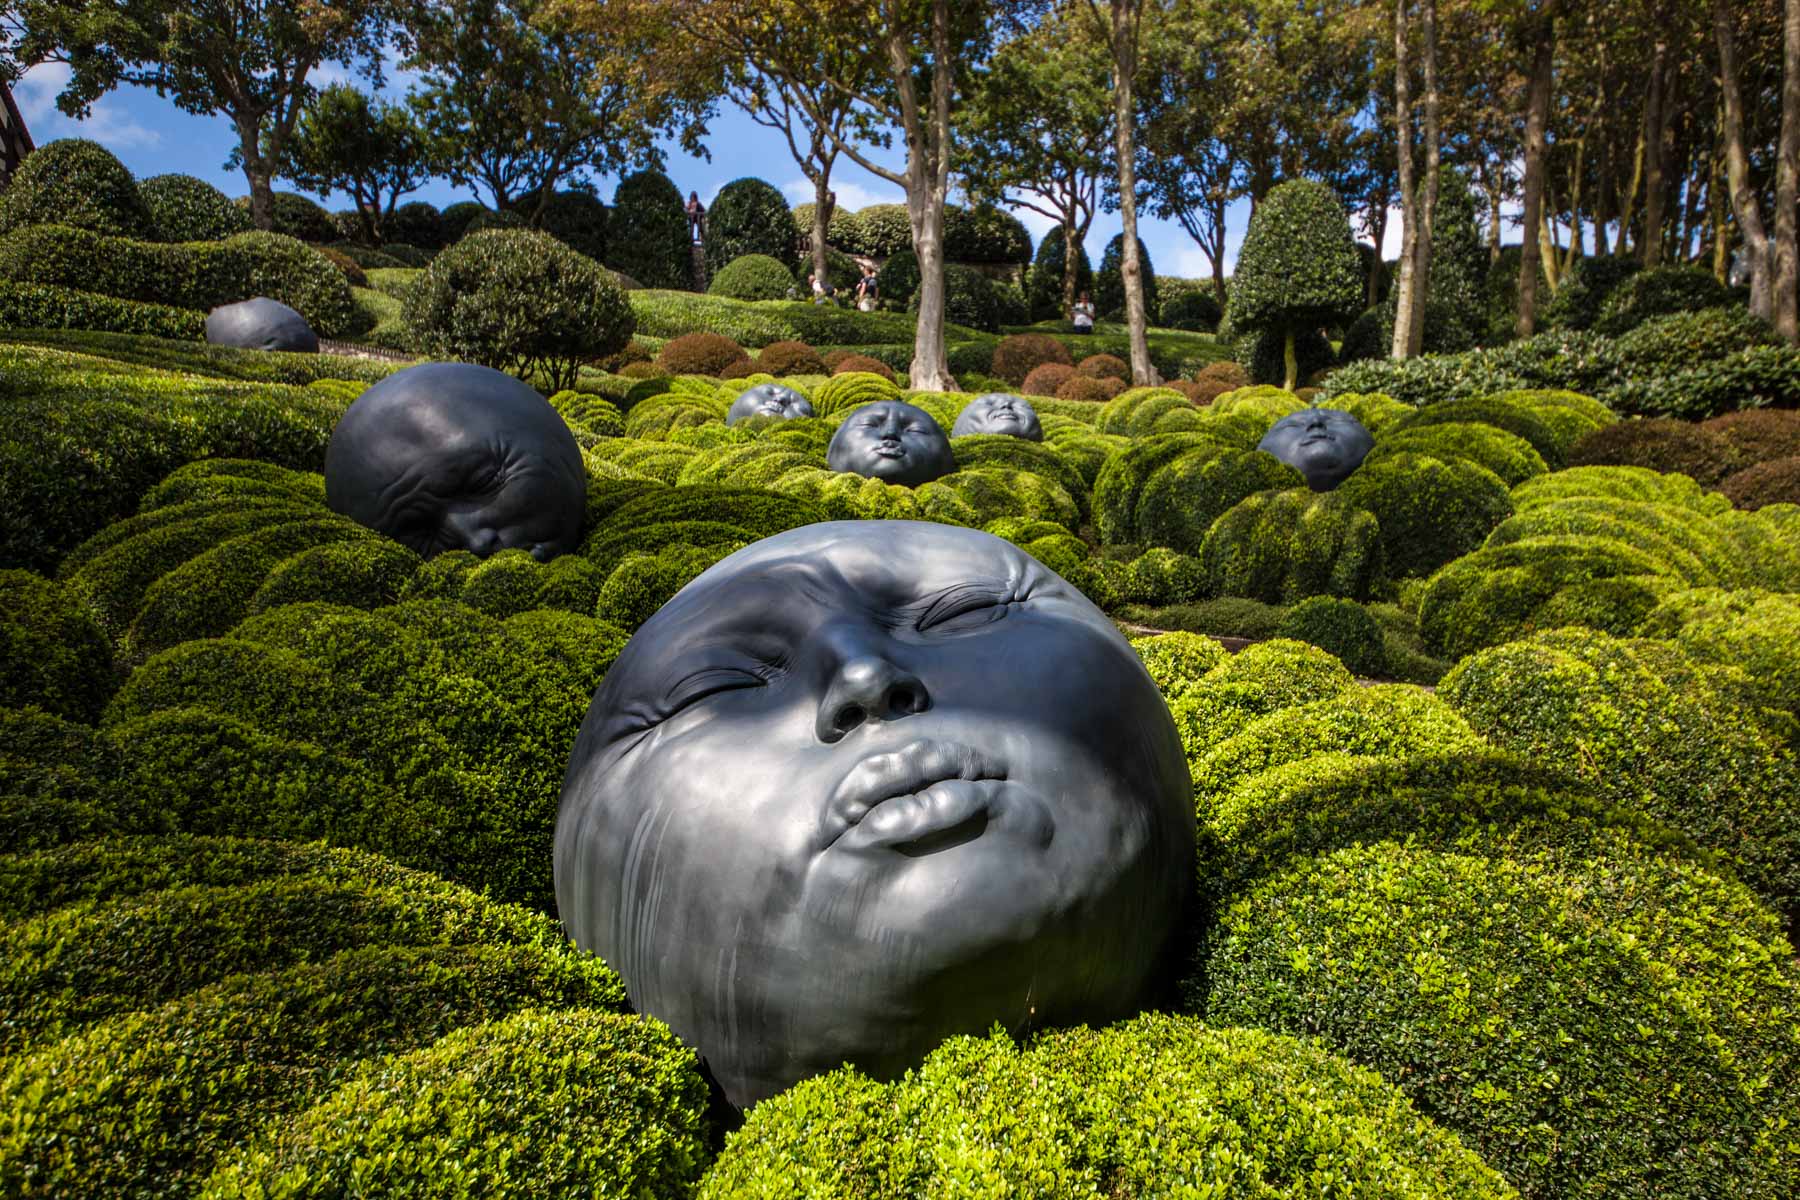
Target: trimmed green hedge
{"type": "Point", "coordinates": [74, 181]}
{"type": "Point", "coordinates": [145, 1104]}
{"type": "Point", "coordinates": [1429, 510]}
{"type": "Point", "coordinates": [540, 1103]}
{"type": "Point", "coordinates": [1282, 546]}
{"type": "Point", "coordinates": [52, 654]}
{"type": "Point", "coordinates": [36, 306]}
{"type": "Point", "coordinates": [186, 209]}
{"type": "Point", "coordinates": [1754, 630]}
{"type": "Point", "coordinates": [1159, 1105]}
{"type": "Point", "coordinates": [753, 277]}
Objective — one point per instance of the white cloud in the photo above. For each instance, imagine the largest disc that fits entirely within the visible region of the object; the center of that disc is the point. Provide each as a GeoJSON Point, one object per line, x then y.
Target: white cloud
{"type": "Point", "coordinates": [1192, 263]}
{"type": "Point", "coordinates": [850, 196]}
{"type": "Point", "coordinates": [110, 122]}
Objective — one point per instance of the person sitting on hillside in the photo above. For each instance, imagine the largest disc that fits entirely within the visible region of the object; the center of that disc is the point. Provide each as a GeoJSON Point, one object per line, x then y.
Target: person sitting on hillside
{"type": "Point", "coordinates": [696, 215]}
{"type": "Point", "coordinates": [1083, 314]}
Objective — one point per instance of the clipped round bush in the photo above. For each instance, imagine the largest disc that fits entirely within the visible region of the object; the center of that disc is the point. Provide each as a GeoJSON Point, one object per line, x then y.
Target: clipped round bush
{"type": "Point", "coordinates": [1659, 444]}
{"type": "Point", "coordinates": [748, 216]}
{"type": "Point", "coordinates": [1017, 355]}
{"type": "Point", "coordinates": [1104, 366]}
{"type": "Point", "coordinates": [52, 653]}
{"type": "Point", "coordinates": [1194, 310]}
{"type": "Point", "coordinates": [1298, 270]}
{"type": "Point", "coordinates": [1044, 291]}
{"type": "Point", "coordinates": [1159, 1105]}
{"type": "Point", "coordinates": [1047, 379]}
{"type": "Point", "coordinates": [843, 231]}
{"type": "Point", "coordinates": [1659, 292]}
{"type": "Point", "coordinates": [285, 269]}
{"type": "Point", "coordinates": [699, 354]}
{"type": "Point", "coordinates": [576, 219]}
{"type": "Point", "coordinates": [862, 364]}
{"type": "Point", "coordinates": [648, 233]}
{"type": "Point", "coordinates": [970, 298]}
{"type": "Point", "coordinates": [1507, 455]}
{"type": "Point", "coordinates": [1685, 339]}
{"type": "Point", "coordinates": [1776, 482]}
{"type": "Point", "coordinates": [1754, 630]}
{"type": "Point", "coordinates": [457, 218]}
{"type": "Point", "coordinates": [1176, 660]}
{"type": "Point", "coordinates": [1759, 434]}
{"type": "Point", "coordinates": [186, 209]}
{"type": "Point", "coordinates": [1089, 389]}
{"type": "Point", "coordinates": [540, 1103]}
{"type": "Point", "coordinates": [519, 301]}
{"type": "Point", "coordinates": [899, 277]}
{"type": "Point", "coordinates": [985, 234]}
{"type": "Point", "coordinates": [298, 216]}
{"type": "Point", "coordinates": [1577, 303]}
{"type": "Point", "coordinates": [1109, 281]}
{"type": "Point", "coordinates": [885, 230]}
{"type": "Point", "coordinates": [417, 223]}
{"type": "Point", "coordinates": [1594, 1025]}
{"type": "Point", "coordinates": [77, 183]}
{"type": "Point", "coordinates": [1515, 418]}
{"type": "Point", "coordinates": [752, 277]}
{"type": "Point", "coordinates": [1340, 627]}
{"type": "Point", "coordinates": [1429, 510]}
{"type": "Point", "coordinates": [790, 358]}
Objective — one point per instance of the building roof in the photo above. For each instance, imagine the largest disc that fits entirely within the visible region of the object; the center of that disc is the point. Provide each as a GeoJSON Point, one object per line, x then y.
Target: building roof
{"type": "Point", "coordinates": [15, 139]}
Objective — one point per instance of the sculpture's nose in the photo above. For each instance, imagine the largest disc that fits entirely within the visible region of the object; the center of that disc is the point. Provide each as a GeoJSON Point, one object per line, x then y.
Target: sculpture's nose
{"type": "Point", "coordinates": [472, 533]}
{"type": "Point", "coordinates": [867, 685]}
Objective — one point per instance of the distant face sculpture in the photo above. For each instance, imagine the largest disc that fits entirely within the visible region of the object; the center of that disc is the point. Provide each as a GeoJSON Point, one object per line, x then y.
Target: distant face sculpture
{"type": "Point", "coordinates": [892, 441]}
{"type": "Point", "coordinates": [1000, 412]}
{"type": "Point", "coordinates": [1323, 444]}
{"type": "Point", "coordinates": [260, 324]}
{"type": "Point", "coordinates": [769, 400]}
{"type": "Point", "coordinates": [865, 785]}
{"type": "Point", "coordinates": [452, 456]}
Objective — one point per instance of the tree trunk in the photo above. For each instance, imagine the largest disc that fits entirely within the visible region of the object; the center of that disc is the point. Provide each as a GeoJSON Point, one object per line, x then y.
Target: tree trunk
{"type": "Point", "coordinates": [1721, 230]}
{"type": "Point", "coordinates": [1071, 264]}
{"type": "Point", "coordinates": [1758, 247]}
{"type": "Point", "coordinates": [927, 190]}
{"type": "Point", "coordinates": [1433, 171]}
{"type": "Point", "coordinates": [1537, 118]}
{"type": "Point", "coordinates": [824, 203]}
{"type": "Point", "coordinates": [1787, 181]}
{"type": "Point", "coordinates": [1656, 130]}
{"type": "Point", "coordinates": [1407, 295]}
{"type": "Point", "coordinates": [1372, 290]}
{"type": "Point", "coordinates": [1125, 17]}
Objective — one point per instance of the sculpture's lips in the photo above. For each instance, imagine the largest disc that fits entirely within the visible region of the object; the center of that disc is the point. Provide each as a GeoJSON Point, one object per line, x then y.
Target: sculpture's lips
{"type": "Point", "coordinates": [889, 450]}
{"type": "Point", "coordinates": [927, 796]}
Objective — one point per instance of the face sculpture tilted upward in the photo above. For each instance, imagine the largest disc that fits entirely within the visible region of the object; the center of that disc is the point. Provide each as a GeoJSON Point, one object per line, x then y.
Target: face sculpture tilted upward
{"type": "Point", "coordinates": [451, 456]}
{"type": "Point", "coordinates": [768, 400]}
{"type": "Point", "coordinates": [1323, 444]}
{"type": "Point", "coordinates": [1000, 412]}
{"type": "Point", "coordinates": [865, 785]}
{"type": "Point", "coordinates": [892, 441]}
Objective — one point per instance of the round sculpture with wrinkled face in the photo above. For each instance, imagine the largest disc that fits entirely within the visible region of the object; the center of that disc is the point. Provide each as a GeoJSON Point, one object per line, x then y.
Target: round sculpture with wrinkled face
{"type": "Point", "coordinates": [452, 456]}
{"type": "Point", "coordinates": [866, 785]}
{"type": "Point", "coordinates": [769, 400]}
{"type": "Point", "coordinates": [1323, 444]}
{"type": "Point", "coordinates": [892, 441]}
{"type": "Point", "coordinates": [1000, 412]}
{"type": "Point", "coordinates": [260, 324]}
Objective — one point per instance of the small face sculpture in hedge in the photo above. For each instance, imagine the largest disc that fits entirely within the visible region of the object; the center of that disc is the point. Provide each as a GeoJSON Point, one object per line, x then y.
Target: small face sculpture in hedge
{"type": "Point", "coordinates": [892, 441]}
{"type": "Point", "coordinates": [1000, 412]}
{"type": "Point", "coordinates": [260, 324]}
{"type": "Point", "coordinates": [1323, 444]}
{"type": "Point", "coordinates": [769, 400]}
{"type": "Point", "coordinates": [865, 785]}
{"type": "Point", "coordinates": [452, 456]}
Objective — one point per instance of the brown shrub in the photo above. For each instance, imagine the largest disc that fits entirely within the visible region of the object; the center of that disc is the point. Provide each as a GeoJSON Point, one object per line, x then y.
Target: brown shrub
{"type": "Point", "coordinates": [642, 370]}
{"type": "Point", "coordinates": [738, 369]}
{"type": "Point", "coordinates": [1759, 435]}
{"type": "Point", "coordinates": [1773, 482]}
{"type": "Point", "coordinates": [1199, 393]}
{"type": "Point", "coordinates": [1226, 372]}
{"type": "Point", "coordinates": [634, 352]}
{"type": "Point", "coordinates": [1016, 356]}
{"type": "Point", "coordinates": [346, 266]}
{"type": "Point", "coordinates": [1104, 366]}
{"type": "Point", "coordinates": [833, 357]}
{"type": "Point", "coordinates": [862, 362]}
{"type": "Point", "coordinates": [700, 354]}
{"type": "Point", "coordinates": [791, 358]}
{"type": "Point", "coordinates": [1081, 387]}
{"type": "Point", "coordinates": [1044, 380]}
{"type": "Point", "coordinates": [1661, 444]}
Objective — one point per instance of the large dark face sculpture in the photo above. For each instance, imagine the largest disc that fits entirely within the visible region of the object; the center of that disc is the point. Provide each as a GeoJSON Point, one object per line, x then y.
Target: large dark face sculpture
{"type": "Point", "coordinates": [892, 441]}
{"type": "Point", "coordinates": [1000, 412]}
{"type": "Point", "coordinates": [451, 456]}
{"type": "Point", "coordinates": [769, 400]}
{"type": "Point", "coordinates": [1323, 444]}
{"type": "Point", "coordinates": [260, 324]}
{"type": "Point", "coordinates": [865, 785]}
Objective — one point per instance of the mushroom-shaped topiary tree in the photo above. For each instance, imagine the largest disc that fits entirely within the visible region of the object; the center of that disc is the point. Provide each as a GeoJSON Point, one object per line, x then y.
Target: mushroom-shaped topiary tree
{"type": "Point", "coordinates": [1298, 269]}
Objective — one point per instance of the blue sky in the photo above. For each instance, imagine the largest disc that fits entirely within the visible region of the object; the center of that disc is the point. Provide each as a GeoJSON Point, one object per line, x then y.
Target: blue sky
{"type": "Point", "coordinates": [152, 137]}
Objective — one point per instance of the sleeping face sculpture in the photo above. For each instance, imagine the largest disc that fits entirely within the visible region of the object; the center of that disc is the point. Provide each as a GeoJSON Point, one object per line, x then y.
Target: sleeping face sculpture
{"type": "Point", "coordinates": [892, 441]}
{"type": "Point", "coordinates": [452, 456]}
{"type": "Point", "coordinates": [1323, 444]}
{"type": "Point", "coordinates": [865, 785]}
{"type": "Point", "coordinates": [260, 324]}
{"type": "Point", "coordinates": [769, 400]}
{"type": "Point", "coordinates": [1000, 412]}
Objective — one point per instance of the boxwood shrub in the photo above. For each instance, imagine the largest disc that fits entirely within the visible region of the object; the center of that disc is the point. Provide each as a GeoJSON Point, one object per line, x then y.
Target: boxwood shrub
{"type": "Point", "coordinates": [1429, 510]}
{"type": "Point", "coordinates": [537, 1103]}
{"type": "Point", "coordinates": [1658, 292]}
{"type": "Point", "coordinates": [1282, 546]}
{"type": "Point", "coordinates": [1507, 455]}
{"type": "Point", "coordinates": [1775, 482]}
{"type": "Point", "coordinates": [145, 1104]}
{"type": "Point", "coordinates": [1660, 444]}
{"type": "Point", "coordinates": [76, 182]}
{"type": "Point", "coordinates": [648, 236]}
{"type": "Point", "coordinates": [1156, 1105]}
{"type": "Point", "coordinates": [699, 354]}
{"type": "Point", "coordinates": [1258, 680]}
{"type": "Point", "coordinates": [186, 209]}
{"type": "Point", "coordinates": [52, 654]}
{"type": "Point", "coordinates": [753, 277]}
{"type": "Point", "coordinates": [1340, 627]}
{"type": "Point", "coordinates": [1755, 630]}
{"type": "Point", "coordinates": [747, 216]}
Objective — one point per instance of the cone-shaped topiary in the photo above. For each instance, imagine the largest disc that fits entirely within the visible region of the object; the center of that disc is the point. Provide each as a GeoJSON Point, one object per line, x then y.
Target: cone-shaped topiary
{"type": "Point", "coordinates": [748, 216]}
{"type": "Point", "coordinates": [1109, 281]}
{"type": "Point", "coordinates": [1298, 269]}
{"type": "Point", "coordinates": [649, 232]}
{"type": "Point", "coordinates": [1045, 294]}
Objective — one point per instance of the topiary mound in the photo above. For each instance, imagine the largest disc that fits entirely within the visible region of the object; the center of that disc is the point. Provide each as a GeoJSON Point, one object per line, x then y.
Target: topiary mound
{"type": "Point", "coordinates": [1429, 510]}
{"type": "Point", "coordinates": [1340, 627]}
{"type": "Point", "coordinates": [790, 358]}
{"type": "Point", "coordinates": [77, 183]}
{"type": "Point", "coordinates": [576, 219]}
{"type": "Point", "coordinates": [748, 216]}
{"type": "Point", "coordinates": [1776, 482]}
{"type": "Point", "coordinates": [1298, 271]}
{"type": "Point", "coordinates": [753, 277]}
{"type": "Point", "coordinates": [1507, 455]}
{"type": "Point", "coordinates": [1159, 1105]}
{"type": "Point", "coordinates": [1167, 489]}
{"type": "Point", "coordinates": [1089, 390]}
{"type": "Point", "coordinates": [419, 224]}
{"type": "Point", "coordinates": [1659, 292]}
{"type": "Point", "coordinates": [186, 209]}
{"type": "Point", "coordinates": [1046, 380]}
{"type": "Point", "coordinates": [1659, 444]}
{"type": "Point", "coordinates": [1104, 366]}
{"type": "Point", "coordinates": [700, 354]}
{"type": "Point", "coordinates": [1194, 310]}
{"type": "Point", "coordinates": [648, 232]}
{"type": "Point", "coordinates": [519, 301]}
{"type": "Point", "coordinates": [1282, 546]}
{"type": "Point", "coordinates": [1753, 630]}
{"type": "Point", "coordinates": [296, 216]}
{"type": "Point", "coordinates": [862, 364]}
{"type": "Point", "coordinates": [540, 1103]}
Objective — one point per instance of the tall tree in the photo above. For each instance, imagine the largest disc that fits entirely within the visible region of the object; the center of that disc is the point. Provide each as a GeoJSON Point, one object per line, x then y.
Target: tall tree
{"type": "Point", "coordinates": [344, 141]}
{"type": "Point", "coordinates": [1418, 197]}
{"type": "Point", "coordinates": [1035, 132]}
{"type": "Point", "coordinates": [519, 95]}
{"type": "Point", "coordinates": [248, 60]}
{"type": "Point", "coordinates": [1787, 180]}
{"type": "Point", "coordinates": [1538, 34]}
{"type": "Point", "coordinates": [1121, 25]}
